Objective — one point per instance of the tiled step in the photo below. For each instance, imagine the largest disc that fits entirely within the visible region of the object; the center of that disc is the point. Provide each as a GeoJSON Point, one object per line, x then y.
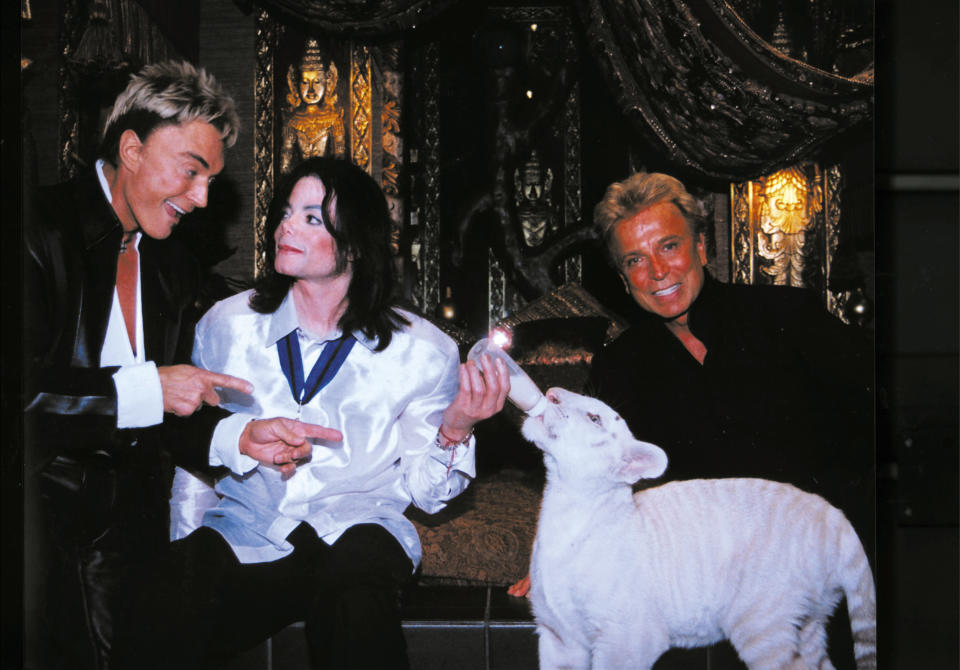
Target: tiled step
{"type": "Point", "coordinates": [446, 628]}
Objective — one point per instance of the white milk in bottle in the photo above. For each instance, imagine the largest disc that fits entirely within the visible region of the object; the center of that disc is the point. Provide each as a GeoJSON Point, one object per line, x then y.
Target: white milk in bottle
{"type": "Point", "coordinates": [523, 392]}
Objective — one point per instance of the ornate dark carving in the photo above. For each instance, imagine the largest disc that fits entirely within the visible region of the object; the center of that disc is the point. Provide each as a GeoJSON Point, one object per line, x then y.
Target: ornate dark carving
{"type": "Point", "coordinates": [517, 269]}
{"type": "Point", "coordinates": [101, 43]}
{"type": "Point", "coordinates": [67, 111]}
{"type": "Point", "coordinates": [431, 211]}
{"type": "Point", "coordinates": [391, 138]}
{"type": "Point", "coordinates": [423, 276]}
{"type": "Point", "coordinates": [831, 35]}
{"type": "Point", "coordinates": [356, 18]}
{"type": "Point", "coordinates": [572, 268]}
{"type": "Point", "coordinates": [697, 81]}
{"type": "Point", "coordinates": [264, 135]}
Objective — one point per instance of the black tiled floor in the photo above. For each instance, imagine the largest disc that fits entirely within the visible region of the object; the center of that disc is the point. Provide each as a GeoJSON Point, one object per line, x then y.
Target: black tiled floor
{"type": "Point", "coordinates": [446, 628]}
{"type": "Point", "coordinates": [467, 628]}
{"type": "Point", "coordinates": [513, 647]}
{"type": "Point", "coordinates": [453, 647]}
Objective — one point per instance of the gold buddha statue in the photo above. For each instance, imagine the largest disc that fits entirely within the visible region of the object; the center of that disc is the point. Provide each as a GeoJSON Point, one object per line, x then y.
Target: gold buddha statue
{"type": "Point", "coordinates": [313, 124]}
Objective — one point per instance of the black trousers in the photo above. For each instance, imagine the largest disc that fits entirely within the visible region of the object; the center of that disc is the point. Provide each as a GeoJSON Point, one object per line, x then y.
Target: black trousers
{"type": "Point", "coordinates": [199, 606]}
{"type": "Point", "coordinates": [89, 519]}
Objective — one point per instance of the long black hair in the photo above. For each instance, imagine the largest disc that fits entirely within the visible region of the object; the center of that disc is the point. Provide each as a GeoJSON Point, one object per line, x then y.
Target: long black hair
{"type": "Point", "coordinates": [355, 214]}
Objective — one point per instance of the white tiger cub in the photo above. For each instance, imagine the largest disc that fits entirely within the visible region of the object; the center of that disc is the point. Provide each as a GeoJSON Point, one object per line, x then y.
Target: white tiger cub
{"type": "Point", "coordinates": [618, 578]}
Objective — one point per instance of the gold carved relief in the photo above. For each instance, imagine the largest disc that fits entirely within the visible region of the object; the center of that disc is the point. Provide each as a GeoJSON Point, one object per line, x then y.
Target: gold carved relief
{"type": "Point", "coordinates": [313, 122]}
{"type": "Point", "coordinates": [360, 105]}
{"type": "Point", "coordinates": [785, 229]}
{"type": "Point", "coordinates": [789, 204]}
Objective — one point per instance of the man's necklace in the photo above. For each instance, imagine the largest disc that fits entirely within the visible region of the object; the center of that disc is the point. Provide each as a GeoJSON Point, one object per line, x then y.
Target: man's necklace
{"type": "Point", "coordinates": [126, 236]}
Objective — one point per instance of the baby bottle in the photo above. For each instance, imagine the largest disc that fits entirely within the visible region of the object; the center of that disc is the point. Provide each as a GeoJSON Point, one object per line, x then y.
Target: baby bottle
{"type": "Point", "coordinates": [523, 392]}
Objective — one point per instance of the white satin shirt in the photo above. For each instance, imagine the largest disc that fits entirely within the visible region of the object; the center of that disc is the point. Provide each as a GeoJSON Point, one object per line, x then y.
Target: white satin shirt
{"type": "Point", "coordinates": [387, 404]}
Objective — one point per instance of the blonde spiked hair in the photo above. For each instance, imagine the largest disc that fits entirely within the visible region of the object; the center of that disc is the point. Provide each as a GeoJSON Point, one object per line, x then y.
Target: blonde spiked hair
{"type": "Point", "coordinates": [173, 92]}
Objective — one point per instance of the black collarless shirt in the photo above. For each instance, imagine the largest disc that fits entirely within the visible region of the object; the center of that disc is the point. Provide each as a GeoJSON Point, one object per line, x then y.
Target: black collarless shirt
{"type": "Point", "coordinates": [784, 393]}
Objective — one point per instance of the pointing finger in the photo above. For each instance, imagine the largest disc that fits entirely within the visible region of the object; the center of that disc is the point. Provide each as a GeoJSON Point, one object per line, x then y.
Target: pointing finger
{"type": "Point", "coordinates": [229, 382]}
{"type": "Point", "coordinates": [320, 432]}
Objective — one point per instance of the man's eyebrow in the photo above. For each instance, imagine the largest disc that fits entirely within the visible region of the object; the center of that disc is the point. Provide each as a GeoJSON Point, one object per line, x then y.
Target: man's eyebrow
{"type": "Point", "coordinates": [198, 158]}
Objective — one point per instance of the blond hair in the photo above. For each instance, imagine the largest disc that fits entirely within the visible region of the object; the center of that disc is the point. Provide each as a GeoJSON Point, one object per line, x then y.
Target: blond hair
{"type": "Point", "coordinates": [173, 92]}
{"type": "Point", "coordinates": [626, 198]}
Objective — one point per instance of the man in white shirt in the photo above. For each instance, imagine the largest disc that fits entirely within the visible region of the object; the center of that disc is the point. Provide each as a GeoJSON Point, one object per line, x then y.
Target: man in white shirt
{"type": "Point", "coordinates": [325, 541]}
{"type": "Point", "coordinates": [107, 338]}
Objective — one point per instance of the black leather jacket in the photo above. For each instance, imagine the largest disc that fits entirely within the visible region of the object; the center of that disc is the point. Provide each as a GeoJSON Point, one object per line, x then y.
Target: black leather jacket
{"type": "Point", "coordinates": [72, 240]}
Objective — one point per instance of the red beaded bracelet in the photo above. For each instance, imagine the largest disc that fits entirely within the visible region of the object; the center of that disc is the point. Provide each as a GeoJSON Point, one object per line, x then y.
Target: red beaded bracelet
{"type": "Point", "coordinates": [448, 442]}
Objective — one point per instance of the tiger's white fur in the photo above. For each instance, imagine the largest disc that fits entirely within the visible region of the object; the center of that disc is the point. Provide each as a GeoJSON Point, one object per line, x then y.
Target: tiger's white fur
{"type": "Point", "coordinates": [618, 578]}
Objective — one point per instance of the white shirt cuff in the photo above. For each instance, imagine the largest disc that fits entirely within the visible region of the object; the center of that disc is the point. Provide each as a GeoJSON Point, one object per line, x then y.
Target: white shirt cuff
{"type": "Point", "coordinates": [459, 458]}
{"type": "Point", "coordinates": [139, 395]}
{"type": "Point", "coordinates": [225, 445]}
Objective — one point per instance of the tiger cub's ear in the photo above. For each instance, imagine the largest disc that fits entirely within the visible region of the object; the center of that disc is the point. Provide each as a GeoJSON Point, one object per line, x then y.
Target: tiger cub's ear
{"type": "Point", "coordinates": [641, 460]}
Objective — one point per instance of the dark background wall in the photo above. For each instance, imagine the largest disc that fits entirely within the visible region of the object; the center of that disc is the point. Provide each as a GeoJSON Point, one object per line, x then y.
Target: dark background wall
{"type": "Point", "coordinates": [917, 334]}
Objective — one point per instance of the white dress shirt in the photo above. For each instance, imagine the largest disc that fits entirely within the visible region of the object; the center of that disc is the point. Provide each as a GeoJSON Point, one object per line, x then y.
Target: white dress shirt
{"type": "Point", "coordinates": [388, 405]}
{"type": "Point", "coordinates": [139, 394]}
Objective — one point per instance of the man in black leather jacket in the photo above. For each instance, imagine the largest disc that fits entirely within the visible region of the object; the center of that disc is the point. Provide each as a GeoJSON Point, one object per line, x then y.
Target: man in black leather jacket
{"type": "Point", "coordinates": [105, 394]}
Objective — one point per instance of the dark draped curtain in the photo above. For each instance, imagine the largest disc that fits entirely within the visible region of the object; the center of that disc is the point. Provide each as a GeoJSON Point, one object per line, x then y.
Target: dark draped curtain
{"type": "Point", "coordinates": [369, 18]}
{"type": "Point", "coordinates": [690, 75]}
{"type": "Point", "coordinates": [698, 82]}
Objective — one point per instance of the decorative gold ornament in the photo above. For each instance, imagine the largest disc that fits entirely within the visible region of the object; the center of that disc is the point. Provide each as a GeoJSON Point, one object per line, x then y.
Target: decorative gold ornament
{"type": "Point", "coordinates": [785, 229]}
{"type": "Point", "coordinates": [361, 112]}
{"type": "Point", "coordinates": [314, 123]}
{"type": "Point", "coordinates": [789, 201]}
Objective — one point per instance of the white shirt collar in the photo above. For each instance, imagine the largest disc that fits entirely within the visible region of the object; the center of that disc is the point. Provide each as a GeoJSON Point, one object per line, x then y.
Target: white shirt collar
{"type": "Point", "coordinates": [284, 320]}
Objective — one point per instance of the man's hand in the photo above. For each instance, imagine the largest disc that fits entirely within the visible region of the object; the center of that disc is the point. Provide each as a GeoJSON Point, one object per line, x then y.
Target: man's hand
{"type": "Point", "coordinates": [483, 391]}
{"type": "Point", "coordinates": [521, 589]}
{"type": "Point", "coordinates": [282, 443]}
{"type": "Point", "coordinates": [186, 388]}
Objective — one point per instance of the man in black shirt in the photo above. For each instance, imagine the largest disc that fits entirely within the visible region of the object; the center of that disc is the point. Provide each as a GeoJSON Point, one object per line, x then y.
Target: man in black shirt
{"type": "Point", "coordinates": [732, 380]}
